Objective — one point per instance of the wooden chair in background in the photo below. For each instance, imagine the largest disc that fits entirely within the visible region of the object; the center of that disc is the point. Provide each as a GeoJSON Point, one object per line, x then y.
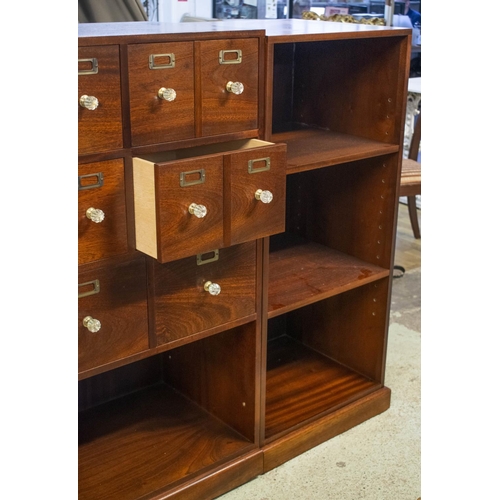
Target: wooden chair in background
{"type": "Point", "coordinates": [411, 181]}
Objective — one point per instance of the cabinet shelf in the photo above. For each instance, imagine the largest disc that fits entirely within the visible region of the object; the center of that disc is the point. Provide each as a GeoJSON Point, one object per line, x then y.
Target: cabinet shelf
{"type": "Point", "coordinates": [170, 436]}
{"type": "Point", "coordinates": [302, 383]}
{"type": "Point", "coordinates": [309, 148]}
{"type": "Point", "coordinates": [302, 272]}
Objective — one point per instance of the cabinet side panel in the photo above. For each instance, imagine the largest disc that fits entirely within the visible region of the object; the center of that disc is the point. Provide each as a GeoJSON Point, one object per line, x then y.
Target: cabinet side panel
{"type": "Point", "coordinates": [282, 99]}
{"type": "Point", "coordinates": [218, 373]}
{"type": "Point", "coordinates": [144, 205]}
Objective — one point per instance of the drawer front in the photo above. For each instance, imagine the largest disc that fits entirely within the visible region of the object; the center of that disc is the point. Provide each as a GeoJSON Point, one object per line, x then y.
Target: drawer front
{"type": "Point", "coordinates": [101, 193]}
{"type": "Point", "coordinates": [99, 129]}
{"type": "Point", "coordinates": [255, 175]}
{"type": "Point", "coordinates": [224, 61]}
{"type": "Point", "coordinates": [182, 305]}
{"type": "Point", "coordinates": [116, 297]}
{"type": "Point", "coordinates": [158, 66]}
{"type": "Point", "coordinates": [165, 227]}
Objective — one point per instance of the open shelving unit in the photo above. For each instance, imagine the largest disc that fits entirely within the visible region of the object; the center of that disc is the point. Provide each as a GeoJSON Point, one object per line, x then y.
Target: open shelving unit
{"type": "Point", "coordinates": [337, 105]}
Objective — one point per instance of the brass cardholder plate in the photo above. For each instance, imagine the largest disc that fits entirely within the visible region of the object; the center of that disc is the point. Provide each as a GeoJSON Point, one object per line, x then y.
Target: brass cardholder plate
{"type": "Point", "coordinates": [95, 288]}
{"type": "Point", "coordinates": [207, 257]}
{"type": "Point", "coordinates": [94, 67]}
{"type": "Point", "coordinates": [153, 64]}
{"type": "Point", "coordinates": [263, 164]}
{"type": "Point", "coordinates": [192, 178]}
{"type": "Point", "coordinates": [99, 181]}
{"type": "Point", "coordinates": [227, 56]}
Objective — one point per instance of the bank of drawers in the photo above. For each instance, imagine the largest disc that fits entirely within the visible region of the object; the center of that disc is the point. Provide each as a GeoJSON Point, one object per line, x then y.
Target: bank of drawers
{"type": "Point", "coordinates": [194, 200]}
{"type": "Point", "coordinates": [186, 297]}
{"type": "Point", "coordinates": [194, 213]}
{"type": "Point", "coordinates": [176, 91]}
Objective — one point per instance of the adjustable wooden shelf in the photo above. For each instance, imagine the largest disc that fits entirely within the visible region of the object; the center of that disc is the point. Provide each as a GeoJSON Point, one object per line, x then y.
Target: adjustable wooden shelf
{"type": "Point", "coordinates": [238, 187]}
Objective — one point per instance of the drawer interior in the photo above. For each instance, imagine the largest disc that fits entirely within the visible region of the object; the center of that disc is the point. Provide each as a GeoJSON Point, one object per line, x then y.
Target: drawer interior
{"type": "Point", "coordinates": [222, 147]}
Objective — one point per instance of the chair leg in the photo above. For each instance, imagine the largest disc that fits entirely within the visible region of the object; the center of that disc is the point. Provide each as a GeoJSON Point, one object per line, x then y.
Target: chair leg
{"type": "Point", "coordinates": [412, 210]}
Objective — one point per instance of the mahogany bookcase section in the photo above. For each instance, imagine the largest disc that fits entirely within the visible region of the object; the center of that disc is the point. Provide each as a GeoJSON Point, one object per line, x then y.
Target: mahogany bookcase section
{"type": "Point", "coordinates": [238, 197]}
{"type": "Point", "coordinates": [337, 106]}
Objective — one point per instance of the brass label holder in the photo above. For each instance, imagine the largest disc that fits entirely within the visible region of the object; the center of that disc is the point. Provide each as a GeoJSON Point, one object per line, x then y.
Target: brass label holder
{"type": "Point", "coordinates": [255, 169]}
{"type": "Point", "coordinates": [192, 178]}
{"type": "Point", "coordinates": [96, 288]}
{"type": "Point", "coordinates": [94, 69]}
{"type": "Point", "coordinates": [154, 65]}
{"type": "Point", "coordinates": [200, 260]}
{"type": "Point", "coordinates": [97, 184]}
{"type": "Point", "coordinates": [224, 59]}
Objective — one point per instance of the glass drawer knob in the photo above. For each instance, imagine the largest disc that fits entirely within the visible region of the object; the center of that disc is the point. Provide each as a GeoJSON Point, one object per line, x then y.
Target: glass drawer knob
{"type": "Point", "coordinates": [264, 196]}
{"type": "Point", "coordinates": [235, 87]}
{"type": "Point", "coordinates": [89, 102]}
{"type": "Point", "coordinates": [212, 288]}
{"type": "Point", "coordinates": [95, 215]}
{"type": "Point", "coordinates": [167, 94]}
{"type": "Point", "coordinates": [198, 210]}
{"type": "Point", "coordinates": [92, 325]}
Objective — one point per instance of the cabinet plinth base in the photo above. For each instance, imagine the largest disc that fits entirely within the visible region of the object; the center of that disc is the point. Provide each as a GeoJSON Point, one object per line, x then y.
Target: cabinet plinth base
{"type": "Point", "coordinates": [287, 447]}
{"type": "Point", "coordinates": [220, 481]}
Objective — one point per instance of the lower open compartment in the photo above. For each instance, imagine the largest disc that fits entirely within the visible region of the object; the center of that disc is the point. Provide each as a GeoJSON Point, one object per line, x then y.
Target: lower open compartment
{"type": "Point", "coordinates": [156, 425]}
{"type": "Point", "coordinates": [324, 356]}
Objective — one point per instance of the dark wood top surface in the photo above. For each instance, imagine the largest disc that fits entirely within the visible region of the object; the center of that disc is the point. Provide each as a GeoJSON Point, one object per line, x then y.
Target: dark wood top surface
{"type": "Point", "coordinates": [278, 29]}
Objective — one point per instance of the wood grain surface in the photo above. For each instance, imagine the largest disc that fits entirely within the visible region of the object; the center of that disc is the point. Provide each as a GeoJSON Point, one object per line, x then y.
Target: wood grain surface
{"type": "Point", "coordinates": [100, 129]}
{"type": "Point", "coordinates": [251, 219]}
{"type": "Point", "coordinates": [108, 238]}
{"type": "Point", "coordinates": [135, 445]}
{"type": "Point", "coordinates": [302, 272]}
{"type": "Point", "coordinates": [182, 306]}
{"type": "Point", "coordinates": [120, 306]}
{"type": "Point", "coordinates": [154, 120]}
{"type": "Point", "coordinates": [302, 383]}
{"type": "Point", "coordinates": [222, 111]}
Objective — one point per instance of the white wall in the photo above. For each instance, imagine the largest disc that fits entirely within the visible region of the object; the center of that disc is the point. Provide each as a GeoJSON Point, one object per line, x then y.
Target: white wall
{"type": "Point", "coordinates": [171, 11]}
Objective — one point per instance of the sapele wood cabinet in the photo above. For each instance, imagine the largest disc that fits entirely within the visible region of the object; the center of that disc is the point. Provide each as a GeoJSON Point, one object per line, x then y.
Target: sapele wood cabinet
{"type": "Point", "coordinates": [238, 186]}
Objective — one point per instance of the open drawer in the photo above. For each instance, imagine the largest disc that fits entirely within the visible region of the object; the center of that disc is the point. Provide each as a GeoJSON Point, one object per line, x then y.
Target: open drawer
{"type": "Point", "coordinates": [193, 200]}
